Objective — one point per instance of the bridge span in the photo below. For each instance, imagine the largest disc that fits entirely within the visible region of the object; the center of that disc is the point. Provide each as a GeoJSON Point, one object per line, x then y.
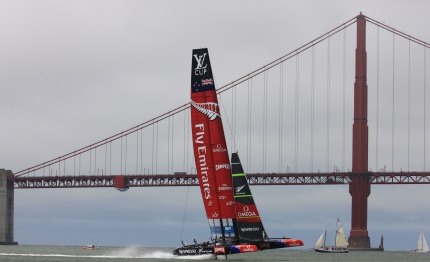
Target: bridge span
{"type": "Point", "coordinates": [123, 182]}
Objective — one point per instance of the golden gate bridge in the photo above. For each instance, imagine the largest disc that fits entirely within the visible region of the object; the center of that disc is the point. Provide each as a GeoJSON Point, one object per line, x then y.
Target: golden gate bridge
{"type": "Point", "coordinates": [282, 105]}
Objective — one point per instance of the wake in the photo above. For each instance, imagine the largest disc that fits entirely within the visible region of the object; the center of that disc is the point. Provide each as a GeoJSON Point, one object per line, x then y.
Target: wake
{"type": "Point", "coordinates": [160, 254]}
{"type": "Point", "coordinates": [126, 253]}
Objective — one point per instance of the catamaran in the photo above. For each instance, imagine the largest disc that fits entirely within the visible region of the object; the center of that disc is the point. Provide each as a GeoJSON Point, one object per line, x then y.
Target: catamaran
{"type": "Point", "coordinates": [341, 243]}
{"type": "Point", "coordinates": [234, 221]}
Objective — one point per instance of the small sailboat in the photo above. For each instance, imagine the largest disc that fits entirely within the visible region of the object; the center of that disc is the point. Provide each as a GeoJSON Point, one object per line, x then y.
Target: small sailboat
{"type": "Point", "coordinates": [422, 246]}
{"type": "Point", "coordinates": [341, 243]}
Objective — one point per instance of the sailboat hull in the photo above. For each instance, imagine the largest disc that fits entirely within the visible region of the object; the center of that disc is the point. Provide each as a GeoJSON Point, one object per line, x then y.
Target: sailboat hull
{"type": "Point", "coordinates": [196, 250]}
{"type": "Point", "coordinates": [329, 249]}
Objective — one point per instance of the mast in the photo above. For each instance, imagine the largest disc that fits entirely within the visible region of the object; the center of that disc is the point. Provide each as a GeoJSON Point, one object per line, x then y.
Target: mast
{"type": "Point", "coordinates": [325, 237]}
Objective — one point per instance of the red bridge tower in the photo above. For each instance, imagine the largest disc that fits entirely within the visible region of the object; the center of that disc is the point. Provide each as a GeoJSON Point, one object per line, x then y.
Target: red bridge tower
{"type": "Point", "coordinates": [359, 187]}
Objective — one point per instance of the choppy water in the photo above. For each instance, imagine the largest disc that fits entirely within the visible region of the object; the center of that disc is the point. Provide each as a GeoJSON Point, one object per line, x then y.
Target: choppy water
{"type": "Point", "coordinates": [77, 254]}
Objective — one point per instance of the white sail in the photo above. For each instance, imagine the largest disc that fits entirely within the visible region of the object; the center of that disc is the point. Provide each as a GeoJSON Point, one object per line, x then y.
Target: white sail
{"type": "Point", "coordinates": [321, 241]}
{"type": "Point", "coordinates": [422, 243]}
{"type": "Point", "coordinates": [341, 240]}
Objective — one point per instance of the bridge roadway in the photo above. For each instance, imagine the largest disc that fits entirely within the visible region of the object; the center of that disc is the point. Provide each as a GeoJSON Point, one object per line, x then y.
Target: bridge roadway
{"type": "Point", "coordinates": [122, 182]}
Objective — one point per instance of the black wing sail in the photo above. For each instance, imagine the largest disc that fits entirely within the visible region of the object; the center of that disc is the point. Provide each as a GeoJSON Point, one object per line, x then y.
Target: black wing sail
{"type": "Point", "coordinates": [249, 225]}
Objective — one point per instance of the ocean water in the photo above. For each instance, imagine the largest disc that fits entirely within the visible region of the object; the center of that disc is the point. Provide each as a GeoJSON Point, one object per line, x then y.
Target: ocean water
{"type": "Point", "coordinates": [77, 254]}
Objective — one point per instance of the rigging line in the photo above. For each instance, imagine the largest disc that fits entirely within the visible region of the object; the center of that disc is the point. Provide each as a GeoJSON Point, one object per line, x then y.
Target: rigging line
{"type": "Point", "coordinates": [95, 160]}
{"type": "Point", "coordinates": [141, 152]}
{"type": "Point", "coordinates": [184, 145]}
{"type": "Point", "coordinates": [425, 78]}
{"type": "Point", "coordinates": [265, 121]}
{"type": "Point", "coordinates": [233, 142]}
{"type": "Point", "coordinates": [89, 173]}
{"type": "Point", "coordinates": [121, 157]}
{"type": "Point", "coordinates": [392, 127]}
{"type": "Point", "coordinates": [168, 144]}
{"type": "Point", "coordinates": [296, 126]}
{"type": "Point", "coordinates": [409, 102]}
{"type": "Point", "coordinates": [343, 100]}
{"type": "Point", "coordinates": [233, 124]}
{"type": "Point", "coordinates": [104, 141]}
{"type": "Point", "coordinates": [234, 106]}
{"type": "Point", "coordinates": [187, 117]}
{"type": "Point", "coordinates": [137, 152]}
{"type": "Point", "coordinates": [106, 158]}
{"type": "Point", "coordinates": [126, 151]}
{"type": "Point", "coordinates": [280, 118]}
{"type": "Point", "coordinates": [250, 123]}
{"type": "Point", "coordinates": [377, 97]}
{"type": "Point", "coordinates": [397, 32]}
{"type": "Point", "coordinates": [185, 106]}
{"type": "Point", "coordinates": [185, 211]}
{"type": "Point", "coordinates": [289, 55]}
{"type": "Point", "coordinates": [156, 151]}
{"type": "Point", "coordinates": [247, 126]}
{"type": "Point", "coordinates": [173, 142]}
{"type": "Point", "coordinates": [312, 107]}
{"type": "Point", "coordinates": [110, 158]}
{"type": "Point", "coordinates": [328, 107]}
{"type": "Point", "coordinates": [152, 149]}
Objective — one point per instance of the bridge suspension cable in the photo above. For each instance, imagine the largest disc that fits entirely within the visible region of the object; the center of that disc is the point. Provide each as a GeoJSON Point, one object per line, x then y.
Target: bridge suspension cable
{"type": "Point", "coordinates": [154, 121]}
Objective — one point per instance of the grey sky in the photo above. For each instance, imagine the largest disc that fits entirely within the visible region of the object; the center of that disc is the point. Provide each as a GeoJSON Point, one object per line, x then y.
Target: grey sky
{"type": "Point", "coordinates": [75, 72]}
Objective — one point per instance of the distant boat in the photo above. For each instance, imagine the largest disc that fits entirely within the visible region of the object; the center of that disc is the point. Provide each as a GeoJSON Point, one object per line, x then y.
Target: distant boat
{"type": "Point", "coordinates": [340, 246]}
{"type": "Point", "coordinates": [90, 247]}
{"type": "Point", "coordinates": [422, 246]}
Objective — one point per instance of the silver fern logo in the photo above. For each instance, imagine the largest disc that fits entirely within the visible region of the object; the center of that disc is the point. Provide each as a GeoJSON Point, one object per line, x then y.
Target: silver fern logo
{"type": "Point", "coordinates": [239, 188]}
{"type": "Point", "coordinates": [209, 109]}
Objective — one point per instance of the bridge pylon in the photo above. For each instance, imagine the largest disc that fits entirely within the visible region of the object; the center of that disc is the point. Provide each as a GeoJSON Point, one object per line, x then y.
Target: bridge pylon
{"type": "Point", "coordinates": [6, 207]}
{"type": "Point", "coordinates": [359, 187]}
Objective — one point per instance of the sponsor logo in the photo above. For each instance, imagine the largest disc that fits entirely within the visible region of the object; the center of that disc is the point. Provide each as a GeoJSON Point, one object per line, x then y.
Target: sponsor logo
{"type": "Point", "coordinates": [238, 189]}
{"type": "Point", "coordinates": [222, 166]}
{"type": "Point", "coordinates": [224, 187]}
{"type": "Point", "coordinates": [201, 155]}
{"type": "Point", "coordinates": [248, 248]}
{"type": "Point", "coordinates": [249, 229]}
{"type": "Point", "coordinates": [292, 243]}
{"type": "Point", "coordinates": [209, 109]}
{"type": "Point", "coordinates": [201, 65]}
{"type": "Point", "coordinates": [187, 251]}
{"type": "Point", "coordinates": [218, 149]}
{"type": "Point", "coordinates": [219, 250]}
{"type": "Point", "coordinates": [205, 251]}
{"type": "Point", "coordinates": [246, 212]}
